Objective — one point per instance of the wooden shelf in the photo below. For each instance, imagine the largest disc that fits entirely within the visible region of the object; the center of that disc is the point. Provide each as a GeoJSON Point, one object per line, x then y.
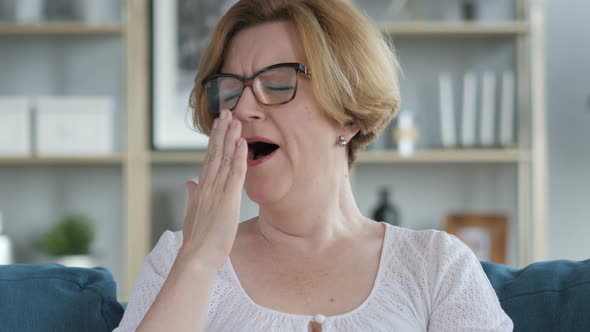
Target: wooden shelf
{"type": "Point", "coordinates": [189, 157]}
{"type": "Point", "coordinates": [445, 156]}
{"type": "Point", "coordinates": [454, 28]}
{"type": "Point", "coordinates": [382, 157]}
{"type": "Point", "coordinates": [59, 29]}
{"type": "Point", "coordinates": [72, 161]}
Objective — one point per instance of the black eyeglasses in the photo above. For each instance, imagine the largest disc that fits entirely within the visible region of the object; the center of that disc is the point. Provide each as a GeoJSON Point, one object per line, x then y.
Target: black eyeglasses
{"type": "Point", "coordinates": [273, 85]}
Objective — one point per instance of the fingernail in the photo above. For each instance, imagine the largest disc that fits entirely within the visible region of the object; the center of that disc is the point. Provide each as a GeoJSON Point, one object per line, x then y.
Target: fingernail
{"type": "Point", "coordinates": [215, 123]}
{"type": "Point", "coordinates": [223, 114]}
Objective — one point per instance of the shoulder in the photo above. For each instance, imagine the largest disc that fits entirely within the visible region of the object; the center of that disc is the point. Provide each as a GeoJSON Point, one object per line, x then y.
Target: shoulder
{"type": "Point", "coordinates": [426, 243]}
{"type": "Point", "coordinates": [162, 256]}
{"type": "Point", "coordinates": [437, 260]}
{"type": "Point", "coordinates": [170, 241]}
{"type": "Point", "coordinates": [431, 254]}
{"type": "Point", "coordinates": [440, 259]}
{"type": "Point", "coordinates": [414, 266]}
{"type": "Point", "coordinates": [450, 281]}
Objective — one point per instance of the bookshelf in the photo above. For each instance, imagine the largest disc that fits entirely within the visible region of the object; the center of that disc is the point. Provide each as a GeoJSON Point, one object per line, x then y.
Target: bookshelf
{"type": "Point", "coordinates": [136, 172]}
{"type": "Point", "coordinates": [70, 59]}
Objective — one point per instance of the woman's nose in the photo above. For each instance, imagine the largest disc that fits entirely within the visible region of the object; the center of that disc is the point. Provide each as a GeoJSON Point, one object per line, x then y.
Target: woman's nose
{"type": "Point", "coordinates": [248, 108]}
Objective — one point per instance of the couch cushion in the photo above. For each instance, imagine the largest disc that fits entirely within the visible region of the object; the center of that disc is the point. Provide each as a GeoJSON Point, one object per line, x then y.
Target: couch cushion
{"type": "Point", "coordinates": [544, 296]}
{"type": "Point", "coordinates": [51, 297]}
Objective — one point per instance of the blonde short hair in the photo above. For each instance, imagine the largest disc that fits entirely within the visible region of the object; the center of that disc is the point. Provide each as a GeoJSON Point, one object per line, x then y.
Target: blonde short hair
{"type": "Point", "coordinates": [355, 70]}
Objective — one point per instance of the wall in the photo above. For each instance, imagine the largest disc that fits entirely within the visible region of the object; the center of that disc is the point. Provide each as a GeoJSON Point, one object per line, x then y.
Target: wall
{"type": "Point", "coordinates": [568, 121]}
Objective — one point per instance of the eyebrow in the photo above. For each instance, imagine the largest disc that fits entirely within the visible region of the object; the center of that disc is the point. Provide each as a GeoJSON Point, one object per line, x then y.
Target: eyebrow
{"type": "Point", "coordinates": [259, 68]}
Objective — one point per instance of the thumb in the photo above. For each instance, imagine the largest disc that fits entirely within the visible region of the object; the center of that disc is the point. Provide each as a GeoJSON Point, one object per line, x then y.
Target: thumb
{"type": "Point", "coordinates": [191, 187]}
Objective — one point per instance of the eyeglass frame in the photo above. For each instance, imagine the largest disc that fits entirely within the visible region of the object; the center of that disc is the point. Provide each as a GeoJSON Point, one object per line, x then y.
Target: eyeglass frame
{"type": "Point", "coordinates": [249, 81]}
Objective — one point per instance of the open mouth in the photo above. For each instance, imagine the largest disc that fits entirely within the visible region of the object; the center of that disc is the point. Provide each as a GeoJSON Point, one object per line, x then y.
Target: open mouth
{"type": "Point", "coordinates": [257, 150]}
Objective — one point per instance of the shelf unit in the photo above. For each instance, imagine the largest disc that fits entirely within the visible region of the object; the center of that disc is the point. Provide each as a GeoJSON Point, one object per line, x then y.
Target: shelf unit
{"type": "Point", "coordinates": [59, 29]}
{"type": "Point", "coordinates": [115, 168]}
{"type": "Point", "coordinates": [137, 161]}
{"type": "Point", "coordinates": [425, 28]}
{"type": "Point", "coordinates": [444, 156]}
{"type": "Point", "coordinates": [57, 161]}
{"type": "Point", "coordinates": [380, 157]}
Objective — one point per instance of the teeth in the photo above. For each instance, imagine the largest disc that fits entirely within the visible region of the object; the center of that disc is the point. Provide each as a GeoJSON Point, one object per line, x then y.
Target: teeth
{"type": "Point", "coordinates": [250, 153]}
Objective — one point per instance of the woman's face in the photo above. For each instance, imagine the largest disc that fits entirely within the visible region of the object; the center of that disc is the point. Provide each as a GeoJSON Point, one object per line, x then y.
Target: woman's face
{"type": "Point", "coordinates": [308, 152]}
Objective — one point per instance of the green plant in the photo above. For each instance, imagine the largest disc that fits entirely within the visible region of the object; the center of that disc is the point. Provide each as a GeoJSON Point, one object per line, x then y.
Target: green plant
{"type": "Point", "coordinates": [72, 235]}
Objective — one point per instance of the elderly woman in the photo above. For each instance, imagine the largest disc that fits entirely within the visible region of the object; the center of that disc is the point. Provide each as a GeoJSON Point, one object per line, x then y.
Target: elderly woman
{"type": "Point", "coordinates": [289, 91]}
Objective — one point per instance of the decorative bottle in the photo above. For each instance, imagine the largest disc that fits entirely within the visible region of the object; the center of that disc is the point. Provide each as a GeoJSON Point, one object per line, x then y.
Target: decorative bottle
{"type": "Point", "coordinates": [5, 246]}
{"type": "Point", "coordinates": [386, 211]}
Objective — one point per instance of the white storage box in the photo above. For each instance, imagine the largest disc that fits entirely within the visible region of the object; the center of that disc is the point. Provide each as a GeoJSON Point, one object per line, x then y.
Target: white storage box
{"type": "Point", "coordinates": [74, 126]}
{"type": "Point", "coordinates": [15, 127]}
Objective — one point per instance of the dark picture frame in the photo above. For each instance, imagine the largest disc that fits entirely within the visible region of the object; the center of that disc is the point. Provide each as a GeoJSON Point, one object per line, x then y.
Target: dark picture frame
{"type": "Point", "coordinates": [485, 234]}
{"type": "Point", "coordinates": [179, 32]}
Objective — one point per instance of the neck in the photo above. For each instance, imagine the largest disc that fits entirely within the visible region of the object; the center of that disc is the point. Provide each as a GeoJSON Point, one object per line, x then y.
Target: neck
{"type": "Point", "coordinates": [311, 222]}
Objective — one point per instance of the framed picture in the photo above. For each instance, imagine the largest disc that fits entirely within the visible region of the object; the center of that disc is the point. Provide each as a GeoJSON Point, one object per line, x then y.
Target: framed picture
{"type": "Point", "coordinates": [180, 29]}
{"type": "Point", "coordinates": [485, 234]}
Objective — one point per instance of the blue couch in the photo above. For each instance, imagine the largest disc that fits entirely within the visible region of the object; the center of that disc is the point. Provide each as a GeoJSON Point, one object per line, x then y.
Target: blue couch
{"type": "Point", "coordinates": [545, 296]}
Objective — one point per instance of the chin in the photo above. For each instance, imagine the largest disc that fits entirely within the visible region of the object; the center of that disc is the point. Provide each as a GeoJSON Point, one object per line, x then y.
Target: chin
{"type": "Point", "coordinates": [265, 191]}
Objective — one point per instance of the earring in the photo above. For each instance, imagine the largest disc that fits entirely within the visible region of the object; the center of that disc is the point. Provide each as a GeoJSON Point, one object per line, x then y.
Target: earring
{"type": "Point", "coordinates": [342, 141]}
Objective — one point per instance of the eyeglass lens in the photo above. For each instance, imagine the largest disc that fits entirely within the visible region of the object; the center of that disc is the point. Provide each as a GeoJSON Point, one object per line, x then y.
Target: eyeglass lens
{"type": "Point", "coordinates": [271, 87]}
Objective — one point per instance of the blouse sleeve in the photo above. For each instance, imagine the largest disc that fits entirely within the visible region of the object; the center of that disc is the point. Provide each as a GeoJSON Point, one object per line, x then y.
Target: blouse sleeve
{"type": "Point", "coordinates": [462, 297]}
{"type": "Point", "coordinates": [152, 275]}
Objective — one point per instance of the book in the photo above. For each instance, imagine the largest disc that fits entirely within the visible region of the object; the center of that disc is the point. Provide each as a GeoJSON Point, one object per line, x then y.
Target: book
{"type": "Point", "coordinates": [488, 105]}
{"type": "Point", "coordinates": [447, 116]}
{"type": "Point", "coordinates": [468, 115]}
{"type": "Point", "coordinates": [507, 109]}
{"type": "Point", "coordinates": [15, 126]}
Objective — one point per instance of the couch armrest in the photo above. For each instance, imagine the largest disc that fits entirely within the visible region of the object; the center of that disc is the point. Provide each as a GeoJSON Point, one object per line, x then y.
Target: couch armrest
{"type": "Point", "coordinates": [544, 296]}
{"type": "Point", "coordinates": [51, 297]}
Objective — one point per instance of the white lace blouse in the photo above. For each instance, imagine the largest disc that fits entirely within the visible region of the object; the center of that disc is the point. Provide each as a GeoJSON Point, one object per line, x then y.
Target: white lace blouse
{"type": "Point", "coordinates": [427, 281]}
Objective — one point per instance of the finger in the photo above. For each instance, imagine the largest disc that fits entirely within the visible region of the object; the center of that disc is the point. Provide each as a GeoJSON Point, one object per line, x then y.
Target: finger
{"type": "Point", "coordinates": [231, 139]}
{"type": "Point", "coordinates": [237, 173]}
{"type": "Point", "coordinates": [191, 188]}
{"type": "Point", "coordinates": [215, 147]}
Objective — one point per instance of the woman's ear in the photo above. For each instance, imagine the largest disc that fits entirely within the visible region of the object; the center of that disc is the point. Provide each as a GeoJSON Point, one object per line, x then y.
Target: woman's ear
{"type": "Point", "coordinates": [351, 129]}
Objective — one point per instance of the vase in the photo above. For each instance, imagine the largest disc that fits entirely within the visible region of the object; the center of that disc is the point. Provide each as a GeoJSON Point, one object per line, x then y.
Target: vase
{"type": "Point", "coordinates": [99, 11]}
{"type": "Point", "coordinates": [86, 261]}
{"type": "Point", "coordinates": [29, 11]}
